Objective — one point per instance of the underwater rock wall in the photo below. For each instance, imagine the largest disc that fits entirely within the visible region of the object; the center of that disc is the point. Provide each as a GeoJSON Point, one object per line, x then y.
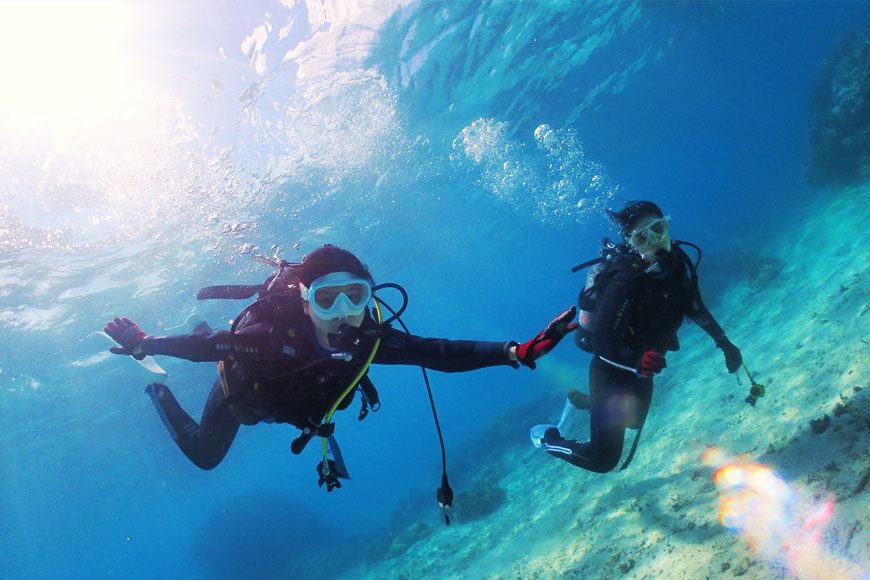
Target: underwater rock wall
{"type": "Point", "coordinates": [840, 115]}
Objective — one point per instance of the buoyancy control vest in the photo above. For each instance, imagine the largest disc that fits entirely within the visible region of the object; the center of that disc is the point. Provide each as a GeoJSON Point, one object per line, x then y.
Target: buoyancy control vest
{"type": "Point", "coordinates": [598, 277]}
{"type": "Point", "coordinates": [618, 261]}
{"type": "Point", "coordinates": [298, 381]}
{"type": "Point", "coordinates": [300, 385]}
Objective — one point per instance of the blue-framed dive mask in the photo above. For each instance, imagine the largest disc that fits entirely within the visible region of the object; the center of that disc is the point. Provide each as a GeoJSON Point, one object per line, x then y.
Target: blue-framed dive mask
{"type": "Point", "coordinates": [337, 295]}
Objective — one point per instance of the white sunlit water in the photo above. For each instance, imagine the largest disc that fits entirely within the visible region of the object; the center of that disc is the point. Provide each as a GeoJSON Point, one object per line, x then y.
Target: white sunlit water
{"type": "Point", "coordinates": [464, 150]}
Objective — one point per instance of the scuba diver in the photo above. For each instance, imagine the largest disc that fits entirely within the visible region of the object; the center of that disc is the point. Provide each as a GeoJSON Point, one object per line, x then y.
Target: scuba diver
{"type": "Point", "coordinates": [634, 301]}
{"type": "Point", "coordinates": [301, 351]}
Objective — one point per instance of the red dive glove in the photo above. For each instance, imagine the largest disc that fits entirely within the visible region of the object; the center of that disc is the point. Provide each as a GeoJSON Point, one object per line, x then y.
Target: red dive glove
{"type": "Point", "coordinates": [651, 363]}
{"type": "Point", "coordinates": [529, 352]}
{"type": "Point", "coordinates": [125, 332]}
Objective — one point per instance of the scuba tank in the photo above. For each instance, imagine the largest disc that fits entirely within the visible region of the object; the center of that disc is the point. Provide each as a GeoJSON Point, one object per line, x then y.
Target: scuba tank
{"type": "Point", "coordinates": [587, 305]}
{"type": "Point", "coordinates": [587, 300]}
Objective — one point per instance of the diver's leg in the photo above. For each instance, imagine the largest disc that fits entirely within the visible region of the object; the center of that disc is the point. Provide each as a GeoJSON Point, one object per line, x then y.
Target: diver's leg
{"type": "Point", "coordinates": [643, 390]}
{"type": "Point", "coordinates": [608, 397]}
{"type": "Point", "coordinates": [204, 444]}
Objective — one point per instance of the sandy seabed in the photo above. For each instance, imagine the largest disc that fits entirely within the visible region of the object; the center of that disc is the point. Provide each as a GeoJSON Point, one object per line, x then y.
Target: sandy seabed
{"type": "Point", "coordinates": [804, 331]}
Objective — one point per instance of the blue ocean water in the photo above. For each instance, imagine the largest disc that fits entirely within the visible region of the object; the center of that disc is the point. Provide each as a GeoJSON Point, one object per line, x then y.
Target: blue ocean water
{"type": "Point", "coordinates": [465, 150]}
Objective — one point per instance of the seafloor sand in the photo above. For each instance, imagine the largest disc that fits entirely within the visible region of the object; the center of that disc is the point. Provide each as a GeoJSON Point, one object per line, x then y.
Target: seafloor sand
{"type": "Point", "coordinates": [804, 332]}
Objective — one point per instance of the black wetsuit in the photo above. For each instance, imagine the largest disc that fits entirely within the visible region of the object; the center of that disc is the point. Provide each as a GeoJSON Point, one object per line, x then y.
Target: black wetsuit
{"type": "Point", "coordinates": [636, 312]}
{"type": "Point", "coordinates": [273, 369]}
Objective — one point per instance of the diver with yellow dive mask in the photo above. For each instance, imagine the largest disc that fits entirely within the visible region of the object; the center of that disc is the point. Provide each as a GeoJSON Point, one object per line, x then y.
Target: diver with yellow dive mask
{"type": "Point", "coordinates": [634, 301]}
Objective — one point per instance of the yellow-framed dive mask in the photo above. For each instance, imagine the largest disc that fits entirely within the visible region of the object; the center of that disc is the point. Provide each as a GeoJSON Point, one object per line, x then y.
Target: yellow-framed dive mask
{"type": "Point", "coordinates": [655, 233]}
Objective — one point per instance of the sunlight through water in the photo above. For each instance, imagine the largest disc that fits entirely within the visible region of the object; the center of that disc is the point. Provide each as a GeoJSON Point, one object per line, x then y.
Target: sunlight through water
{"type": "Point", "coordinates": [63, 63]}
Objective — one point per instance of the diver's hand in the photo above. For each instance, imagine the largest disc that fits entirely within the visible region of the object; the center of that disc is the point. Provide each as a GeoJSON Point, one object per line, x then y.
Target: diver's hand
{"type": "Point", "coordinates": [529, 352]}
{"type": "Point", "coordinates": [125, 332]}
{"type": "Point", "coordinates": [651, 363]}
{"type": "Point", "coordinates": [733, 358]}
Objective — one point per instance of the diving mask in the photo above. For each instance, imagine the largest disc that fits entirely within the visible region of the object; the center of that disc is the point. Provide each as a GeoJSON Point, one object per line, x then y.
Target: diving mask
{"type": "Point", "coordinates": [337, 295]}
{"type": "Point", "coordinates": [653, 234]}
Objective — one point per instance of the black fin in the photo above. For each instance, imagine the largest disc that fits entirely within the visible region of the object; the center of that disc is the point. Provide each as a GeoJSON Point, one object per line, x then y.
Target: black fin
{"type": "Point", "coordinates": [229, 292]}
{"type": "Point", "coordinates": [202, 328]}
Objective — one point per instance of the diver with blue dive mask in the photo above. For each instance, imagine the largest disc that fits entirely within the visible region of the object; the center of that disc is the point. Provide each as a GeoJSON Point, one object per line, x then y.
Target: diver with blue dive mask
{"type": "Point", "coordinates": [301, 351]}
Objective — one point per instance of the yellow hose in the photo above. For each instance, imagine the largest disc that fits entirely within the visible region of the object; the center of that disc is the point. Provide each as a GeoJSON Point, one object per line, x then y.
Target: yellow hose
{"type": "Point", "coordinates": [353, 384]}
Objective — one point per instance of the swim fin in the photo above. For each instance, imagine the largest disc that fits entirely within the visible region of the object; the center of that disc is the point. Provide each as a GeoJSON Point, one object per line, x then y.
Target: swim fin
{"type": "Point", "coordinates": [202, 328]}
{"type": "Point", "coordinates": [156, 374]}
{"type": "Point", "coordinates": [177, 421]}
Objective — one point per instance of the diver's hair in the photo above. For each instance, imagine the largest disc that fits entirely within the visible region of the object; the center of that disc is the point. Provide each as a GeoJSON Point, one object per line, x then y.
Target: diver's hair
{"type": "Point", "coordinates": [326, 260]}
{"type": "Point", "coordinates": [628, 216]}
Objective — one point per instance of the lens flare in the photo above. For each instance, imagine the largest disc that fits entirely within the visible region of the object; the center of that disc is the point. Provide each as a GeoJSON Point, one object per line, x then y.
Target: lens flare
{"type": "Point", "coordinates": [776, 520]}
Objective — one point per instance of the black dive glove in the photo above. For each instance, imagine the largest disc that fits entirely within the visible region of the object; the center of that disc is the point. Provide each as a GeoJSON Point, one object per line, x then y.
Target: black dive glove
{"type": "Point", "coordinates": [125, 332]}
{"type": "Point", "coordinates": [733, 358]}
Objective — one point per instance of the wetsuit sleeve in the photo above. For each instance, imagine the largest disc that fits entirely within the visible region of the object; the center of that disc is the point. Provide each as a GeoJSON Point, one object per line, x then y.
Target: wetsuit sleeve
{"type": "Point", "coordinates": [708, 324]}
{"type": "Point", "coordinates": [700, 315]}
{"type": "Point", "coordinates": [440, 354]}
{"type": "Point", "coordinates": [611, 325]}
{"type": "Point", "coordinates": [254, 340]}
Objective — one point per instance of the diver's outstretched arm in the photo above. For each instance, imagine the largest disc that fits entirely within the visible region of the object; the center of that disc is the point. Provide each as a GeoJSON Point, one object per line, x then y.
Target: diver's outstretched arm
{"type": "Point", "coordinates": [201, 346]}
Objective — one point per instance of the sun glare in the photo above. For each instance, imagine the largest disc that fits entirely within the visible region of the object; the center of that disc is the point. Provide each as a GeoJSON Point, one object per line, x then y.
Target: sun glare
{"type": "Point", "coordinates": [62, 63]}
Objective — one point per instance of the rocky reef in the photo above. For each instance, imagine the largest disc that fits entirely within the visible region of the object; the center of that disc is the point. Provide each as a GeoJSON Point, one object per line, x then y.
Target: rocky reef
{"type": "Point", "coordinates": [839, 127]}
{"type": "Point", "coordinates": [741, 260]}
{"type": "Point", "coordinates": [479, 502]}
{"type": "Point", "coordinates": [395, 545]}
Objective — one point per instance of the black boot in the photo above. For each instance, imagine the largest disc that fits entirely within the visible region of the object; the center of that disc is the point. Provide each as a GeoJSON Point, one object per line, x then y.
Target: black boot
{"type": "Point", "coordinates": [579, 400]}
